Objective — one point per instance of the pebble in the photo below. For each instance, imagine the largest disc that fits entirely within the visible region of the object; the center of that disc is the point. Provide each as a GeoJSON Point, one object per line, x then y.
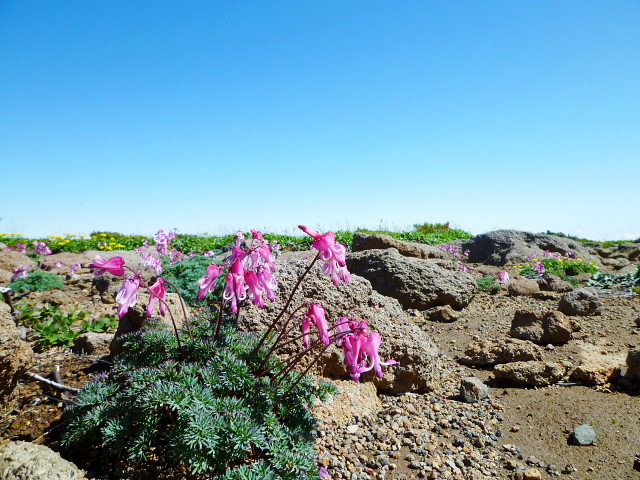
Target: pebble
{"type": "Point", "coordinates": [584, 435]}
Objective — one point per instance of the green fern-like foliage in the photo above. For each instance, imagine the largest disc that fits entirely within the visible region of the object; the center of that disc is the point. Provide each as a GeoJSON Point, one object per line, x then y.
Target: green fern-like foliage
{"type": "Point", "coordinates": [38, 281]}
{"type": "Point", "coordinates": [202, 407]}
{"type": "Point", "coordinates": [185, 276]}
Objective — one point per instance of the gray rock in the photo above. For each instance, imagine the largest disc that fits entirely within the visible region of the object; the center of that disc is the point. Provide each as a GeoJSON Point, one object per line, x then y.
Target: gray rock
{"type": "Point", "coordinates": [536, 374]}
{"type": "Point", "coordinates": [552, 283]}
{"type": "Point", "coordinates": [27, 461]}
{"type": "Point", "coordinates": [505, 247]}
{"type": "Point", "coordinates": [419, 365]}
{"type": "Point", "coordinates": [363, 241]}
{"type": "Point", "coordinates": [473, 390]}
{"type": "Point", "coordinates": [487, 353]}
{"type": "Point", "coordinates": [94, 343]}
{"type": "Point", "coordinates": [542, 327]}
{"type": "Point", "coordinates": [16, 356]}
{"type": "Point", "coordinates": [581, 302]}
{"type": "Point", "coordinates": [67, 259]}
{"type": "Point", "coordinates": [11, 259]}
{"type": "Point", "coordinates": [633, 363]}
{"type": "Point", "coordinates": [415, 283]}
{"type": "Point", "coordinates": [584, 435]}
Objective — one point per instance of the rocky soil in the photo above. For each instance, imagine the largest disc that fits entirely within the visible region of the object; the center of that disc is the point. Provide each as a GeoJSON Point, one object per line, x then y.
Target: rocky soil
{"type": "Point", "coordinates": [488, 385]}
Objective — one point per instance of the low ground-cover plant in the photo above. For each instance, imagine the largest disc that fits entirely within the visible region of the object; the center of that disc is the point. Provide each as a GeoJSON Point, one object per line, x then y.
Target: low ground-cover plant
{"type": "Point", "coordinates": [54, 327]}
{"type": "Point", "coordinates": [430, 228]}
{"type": "Point", "coordinates": [488, 284]}
{"type": "Point", "coordinates": [555, 264]}
{"type": "Point", "coordinates": [586, 241]}
{"type": "Point", "coordinates": [606, 280]}
{"type": "Point", "coordinates": [185, 275]}
{"type": "Point", "coordinates": [38, 281]}
{"type": "Point", "coordinates": [214, 400]}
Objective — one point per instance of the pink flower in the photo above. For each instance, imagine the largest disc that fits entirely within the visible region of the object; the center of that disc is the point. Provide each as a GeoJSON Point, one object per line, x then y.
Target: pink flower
{"type": "Point", "coordinates": [236, 289]}
{"type": "Point", "coordinates": [128, 295]}
{"type": "Point", "coordinates": [74, 267]}
{"type": "Point", "coordinates": [268, 282]}
{"type": "Point", "coordinates": [19, 272]}
{"type": "Point", "coordinates": [41, 248]}
{"type": "Point", "coordinates": [157, 291]}
{"type": "Point", "coordinates": [503, 277]}
{"type": "Point", "coordinates": [58, 264]}
{"type": "Point", "coordinates": [539, 268]}
{"type": "Point", "coordinates": [21, 247]}
{"type": "Point", "coordinates": [370, 348]}
{"type": "Point", "coordinates": [463, 267]}
{"type": "Point", "coordinates": [254, 288]}
{"type": "Point", "coordinates": [208, 282]}
{"type": "Point", "coordinates": [332, 253]}
{"type": "Point", "coordinates": [162, 241]}
{"type": "Point", "coordinates": [113, 266]}
{"type": "Point", "coordinates": [323, 474]}
{"type": "Point", "coordinates": [315, 314]}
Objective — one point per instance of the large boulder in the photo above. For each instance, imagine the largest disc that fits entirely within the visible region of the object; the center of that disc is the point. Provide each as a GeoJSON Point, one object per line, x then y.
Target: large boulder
{"type": "Point", "coordinates": [488, 352]}
{"type": "Point", "coordinates": [506, 247]}
{"type": "Point", "coordinates": [27, 461]}
{"type": "Point", "coordinates": [581, 302]}
{"type": "Point", "coordinates": [420, 365]}
{"type": "Point", "coordinates": [414, 282]}
{"type": "Point", "coordinates": [16, 356]}
{"type": "Point", "coordinates": [136, 317]}
{"type": "Point", "coordinates": [542, 327]}
{"type": "Point", "coordinates": [363, 241]}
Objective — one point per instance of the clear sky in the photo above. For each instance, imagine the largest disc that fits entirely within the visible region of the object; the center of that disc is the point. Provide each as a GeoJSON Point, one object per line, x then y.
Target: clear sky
{"type": "Point", "coordinates": [208, 116]}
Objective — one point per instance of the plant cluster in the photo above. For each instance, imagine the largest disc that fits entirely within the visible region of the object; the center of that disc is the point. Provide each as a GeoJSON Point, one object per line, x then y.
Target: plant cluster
{"type": "Point", "coordinates": [38, 281]}
{"type": "Point", "coordinates": [488, 284]}
{"type": "Point", "coordinates": [54, 327]}
{"type": "Point", "coordinates": [458, 254]}
{"type": "Point", "coordinates": [606, 280]}
{"type": "Point", "coordinates": [431, 228]}
{"type": "Point", "coordinates": [555, 264]}
{"type": "Point", "coordinates": [210, 398]}
{"type": "Point", "coordinates": [586, 241]}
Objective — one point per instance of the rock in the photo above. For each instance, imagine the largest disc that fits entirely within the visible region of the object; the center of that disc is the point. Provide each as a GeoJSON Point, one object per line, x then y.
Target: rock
{"type": "Point", "coordinates": [353, 399]}
{"type": "Point", "coordinates": [415, 283]}
{"type": "Point", "coordinates": [507, 247]}
{"type": "Point", "coordinates": [5, 276]}
{"type": "Point", "coordinates": [27, 461]}
{"type": "Point", "coordinates": [531, 474]}
{"type": "Point", "coordinates": [542, 327]}
{"type": "Point", "coordinates": [633, 363]}
{"type": "Point", "coordinates": [11, 259]}
{"type": "Point", "coordinates": [487, 353]}
{"type": "Point", "coordinates": [136, 317]}
{"type": "Point", "coordinates": [473, 390]}
{"type": "Point", "coordinates": [552, 283]}
{"type": "Point", "coordinates": [596, 368]}
{"type": "Point", "coordinates": [533, 373]}
{"type": "Point", "coordinates": [94, 343]}
{"type": "Point", "coordinates": [584, 435]}
{"type": "Point", "coordinates": [67, 259]}
{"type": "Point", "coordinates": [444, 314]}
{"type": "Point", "coordinates": [16, 356]}
{"type": "Point", "coordinates": [523, 287]}
{"type": "Point", "coordinates": [581, 302]}
{"type": "Point", "coordinates": [57, 297]}
{"type": "Point", "coordinates": [419, 364]}
{"type": "Point", "coordinates": [363, 241]}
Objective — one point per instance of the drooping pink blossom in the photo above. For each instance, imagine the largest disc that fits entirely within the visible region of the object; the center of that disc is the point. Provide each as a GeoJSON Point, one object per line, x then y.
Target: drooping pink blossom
{"type": "Point", "coordinates": [208, 282]}
{"type": "Point", "coordinates": [157, 292]}
{"type": "Point", "coordinates": [315, 314]}
{"type": "Point", "coordinates": [162, 242]}
{"type": "Point", "coordinates": [332, 254]}
{"type": "Point", "coordinates": [235, 289]}
{"type": "Point", "coordinates": [370, 348]}
{"type": "Point", "coordinates": [503, 277]}
{"type": "Point", "coordinates": [114, 266]}
{"type": "Point", "coordinates": [74, 267]}
{"type": "Point", "coordinates": [323, 473]}
{"type": "Point", "coordinates": [268, 281]}
{"type": "Point", "coordinates": [20, 272]}
{"type": "Point", "coordinates": [58, 264]}
{"type": "Point", "coordinates": [127, 297]}
{"type": "Point", "coordinates": [539, 268]}
{"type": "Point", "coordinates": [255, 289]}
{"type": "Point", "coordinates": [21, 247]}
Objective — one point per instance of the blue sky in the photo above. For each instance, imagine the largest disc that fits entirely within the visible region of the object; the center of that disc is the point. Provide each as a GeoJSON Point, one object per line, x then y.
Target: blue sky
{"type": "Point", "coordinates": [208, 116]}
